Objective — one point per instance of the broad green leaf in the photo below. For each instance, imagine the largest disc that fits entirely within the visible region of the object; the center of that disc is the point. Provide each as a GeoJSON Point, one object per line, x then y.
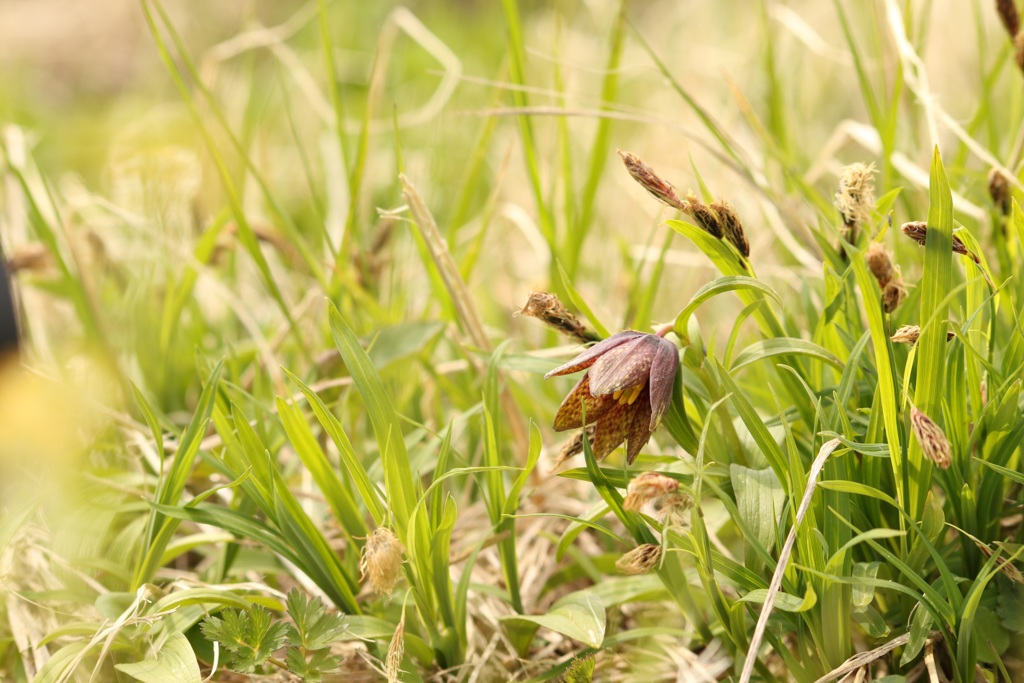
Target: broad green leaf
{"type": "Point", "coordinates": [580, 616]}
{"type": "Point", "coordinates": [759, 501]}
{"type": "Point", "coordinates": [174, 663]}
{"type": "Point", "coordinates": [784, 601]}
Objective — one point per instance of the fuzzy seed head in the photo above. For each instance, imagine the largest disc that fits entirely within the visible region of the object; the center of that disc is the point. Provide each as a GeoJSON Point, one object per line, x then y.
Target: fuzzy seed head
{"type": "Point", "coordinates": [934, 443]}
{"type": "Point", "coordinates": [732, 228]}
{"type": "Point", "coordinates": [646, 488]}
{"type": "Point", "coordinates": [856, 195]}
{"type": "Point", "coordinates": [651, 181]}
{"type": "Point", "coordinates": [396, 650]}
{"type": "Point", "coordinates": [547, 308]}
{"type": "Point", "coordinates": [672, 509]}
{"type": "Point", "coordinates": [381, 562]}
{"type": "Point", "coordinates": [640, 560]}
{"type": "Point", "coordinates": [999, 190]}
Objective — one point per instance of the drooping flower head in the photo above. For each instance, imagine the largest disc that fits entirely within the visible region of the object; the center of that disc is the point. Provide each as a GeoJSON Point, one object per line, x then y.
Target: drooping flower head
{"type": "Point", "coordinates": [626, 390]}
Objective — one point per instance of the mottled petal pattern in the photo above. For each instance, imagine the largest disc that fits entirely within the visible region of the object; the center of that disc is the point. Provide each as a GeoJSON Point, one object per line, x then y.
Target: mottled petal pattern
{"type": "Point", "coordinates": [587, 358]}
{"type": "Point", "coordinates": [611, 429]}
{"type": "Point", "coordinates": [663, 379]}
{"type": "Point", "coordinates": [626, 390]}
{"type": "Point", "coordinates": [570, 413]}
{"type": "Point", "coordinates": [624, 366]}
{"type": "Point", "coordinates": [639, 426]}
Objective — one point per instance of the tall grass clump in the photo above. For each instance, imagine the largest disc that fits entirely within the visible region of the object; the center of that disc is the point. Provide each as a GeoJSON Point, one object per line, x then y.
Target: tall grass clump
{"type": "Point", "coordinates": [273, 408]}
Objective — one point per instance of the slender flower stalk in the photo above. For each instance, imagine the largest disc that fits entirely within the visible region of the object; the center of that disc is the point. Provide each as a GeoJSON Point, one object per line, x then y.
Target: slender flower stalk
{"type": "Point", "coordinates": [625, 392]}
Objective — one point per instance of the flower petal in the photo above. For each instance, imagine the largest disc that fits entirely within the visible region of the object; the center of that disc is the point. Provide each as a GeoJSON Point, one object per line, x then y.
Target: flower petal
{"type": "Point", "coordinates": [639, 427]}
{"type": "Point", "coordinates": [612, 428]}
{"type": "Point", "coordinates": [587, 358]}
{"type": "Point", "coordinates": [624, 366]}
{"type": "Point", "coordinates": [663, 380]}
{"type": "Point", "coordinates": [570, 414]}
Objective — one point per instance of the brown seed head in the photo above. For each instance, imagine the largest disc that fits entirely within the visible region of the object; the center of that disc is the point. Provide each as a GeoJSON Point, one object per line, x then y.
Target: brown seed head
{"type": "Point", "coordinates": [382, 560]}
{"type": "Point", "coordinates": [1018, 49]}
{"type": "Point", "coordinates": [574, 444]}
{"type": "Point", "coordinates": [706, 218]}
{"type": "Point", "coordinates": [999, 190]}
{"type": "Point", "coordinates": [880, 263]}
{"type": "Point", "coordinates": [934, 443]}
{"type": "Point", "coordinates": [893, 294]}
{"type": "Point", "coordinates": [650, 181]}
{"type": "Point", "coordinates": [732, 228]}
{"type": "Point", "coordinates": [1007, 10]}
{"type": "Point", "coordinates": [640, 560]}
{"type": "Point", "coordinates": [1007, 568]}
{"type": "Point", "coordinates": [547, 308]}
{"type": "Point", "coordinates": [33, 257]}
{"type": "Point", "coordinates": [647, 487]}
{"type": "Point", "coordinates": [918, 231]}
{"type": "Point", "coordinates": [856, 195]}
{"type": "Point", "coordinates": [908, 334]}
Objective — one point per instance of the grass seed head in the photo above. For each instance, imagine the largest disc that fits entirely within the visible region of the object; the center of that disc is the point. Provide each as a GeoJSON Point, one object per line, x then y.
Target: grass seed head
{"type": "Point", "coordinates": [999, 190]}
{"type": "Point", "coordinates": [705, 217]}
{"type": "Point", "coordinates": [651, 181]}
{"type": "Point", "coordinates": [934, 443]}
{"type": "Point", "coordinates": [918, 231]}
{"type": "Point", "coordinates": [1018, 49]}
{"type": "Point", "coordinates": [908, 334]}
{"type": "Point", "coordinates": [547, 308]}
{"type": "Point", "coordinates": [382, 560]}
{"type": "Point", "coordinates": [646, 488]}
{"type": "Point", "coordinates": [732, 228]}
{"type": "Point", "coordinates": [880, 263]}
{"type": "Point", "coordinates": [1007, 10]}
{"type": "Point", "coordinates": [640, 560]}
{"type": "Point", "coordinates": [396, 650]}
{"type": "Point", "coordinates": [855, 197]}
{"type": "Point", "coordinates": [893, 294]}
{"type": "Point", "coordinates": [673, 509]}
